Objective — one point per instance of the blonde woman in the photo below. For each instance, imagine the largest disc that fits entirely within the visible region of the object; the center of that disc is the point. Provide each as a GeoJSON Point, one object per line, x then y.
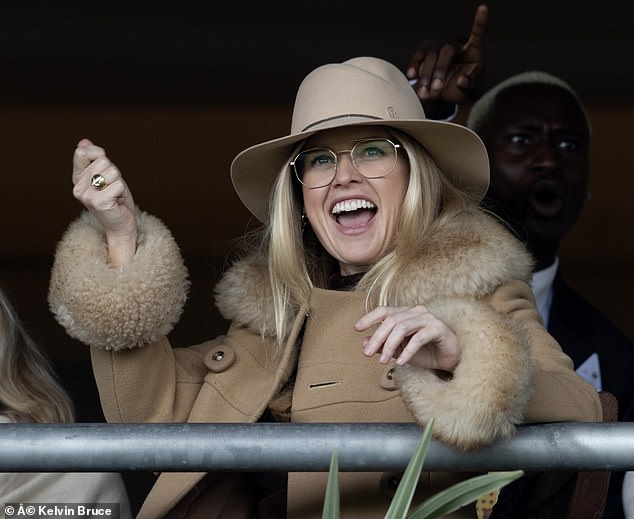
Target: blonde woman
{"type": "Point", "coordinates": [376, 291]}
{"type": "Point", "coordinates": [31, 393]}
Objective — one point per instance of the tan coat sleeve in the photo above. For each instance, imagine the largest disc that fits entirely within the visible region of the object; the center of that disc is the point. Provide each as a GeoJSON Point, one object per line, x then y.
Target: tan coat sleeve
{"type": "Point", "coordinates": [512, 371]}
{"type": "Point", "coordinates": [158, 383]}
{"type": "Point", "coordinates": [485, 397]}
{"type": "Point", "coordinates": [559, 394]}
{"type": "Point", "coordinates": [153, 383]}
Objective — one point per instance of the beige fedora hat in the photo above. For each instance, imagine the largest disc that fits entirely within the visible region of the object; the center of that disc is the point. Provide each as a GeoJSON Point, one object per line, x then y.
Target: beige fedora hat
{"type": "Point", "coordinates": [360, 91]}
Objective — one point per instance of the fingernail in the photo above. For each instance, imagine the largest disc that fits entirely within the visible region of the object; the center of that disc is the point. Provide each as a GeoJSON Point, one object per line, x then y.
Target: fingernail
{"type": "Point", "coordinates": [436, 84]}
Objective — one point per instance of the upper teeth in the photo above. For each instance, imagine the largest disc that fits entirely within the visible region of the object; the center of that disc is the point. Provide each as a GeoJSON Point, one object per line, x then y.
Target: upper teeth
{"type": "Point", "coordinates": [352, 205]}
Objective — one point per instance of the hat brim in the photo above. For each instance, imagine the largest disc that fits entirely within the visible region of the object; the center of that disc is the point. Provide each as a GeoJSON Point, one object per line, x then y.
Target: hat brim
{"type": "Point", "coordinates": [457, 151]}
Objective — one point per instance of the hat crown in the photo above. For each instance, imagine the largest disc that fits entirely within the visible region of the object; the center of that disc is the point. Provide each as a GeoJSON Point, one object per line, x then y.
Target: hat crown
{"type": "Point", "coordinates": [358, 89]}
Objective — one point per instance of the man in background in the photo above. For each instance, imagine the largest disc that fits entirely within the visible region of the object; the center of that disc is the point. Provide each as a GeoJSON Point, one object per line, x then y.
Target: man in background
{"type": "Point", "coordinates": [537, 135]}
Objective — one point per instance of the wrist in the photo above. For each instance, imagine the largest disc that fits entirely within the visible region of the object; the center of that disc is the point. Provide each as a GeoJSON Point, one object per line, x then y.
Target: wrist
{"type": "Point", "coordinates": [121, 248]}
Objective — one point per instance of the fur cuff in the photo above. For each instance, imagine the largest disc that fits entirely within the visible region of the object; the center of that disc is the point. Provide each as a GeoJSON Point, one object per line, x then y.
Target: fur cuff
{"type": "Point", "coordinates": [117, 308]}
{"type": "Point", "coordinates": [243, 296]}
{"type": "Point", "coordinates": [491, 386]}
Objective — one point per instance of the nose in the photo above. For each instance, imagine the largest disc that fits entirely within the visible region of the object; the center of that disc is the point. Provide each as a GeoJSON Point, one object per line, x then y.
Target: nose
{"type": "Point", "coordinates": [546, 157]}
{"type": "Point", "coordinates": [346, 172]}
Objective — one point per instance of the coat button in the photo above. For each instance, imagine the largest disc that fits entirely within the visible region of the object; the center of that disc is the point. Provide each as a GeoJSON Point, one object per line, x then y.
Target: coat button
{"type": "Point", "coordinates": [220, 358]}
{"type": "Point", "coordinates": [387, 378]}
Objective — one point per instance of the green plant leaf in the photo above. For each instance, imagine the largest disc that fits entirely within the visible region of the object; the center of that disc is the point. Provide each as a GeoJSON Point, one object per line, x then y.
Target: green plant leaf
{"type": "Point", "coordinates": [463, 493]}
{"type": "Point", "coordinates": [331, 499]}
{"type": "Point", "coordinates": [405, 491]}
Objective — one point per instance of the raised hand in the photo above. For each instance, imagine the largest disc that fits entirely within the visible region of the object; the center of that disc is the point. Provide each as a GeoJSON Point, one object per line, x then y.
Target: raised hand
{"type": "Point", "coordinates": [98, 185]}
{"type": "Point", "coordinates": [450, 70]}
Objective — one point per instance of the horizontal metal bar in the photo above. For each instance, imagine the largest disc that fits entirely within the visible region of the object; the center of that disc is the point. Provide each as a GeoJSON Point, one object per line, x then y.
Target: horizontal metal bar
{"type": "Point", "coordinates": [301, 447]}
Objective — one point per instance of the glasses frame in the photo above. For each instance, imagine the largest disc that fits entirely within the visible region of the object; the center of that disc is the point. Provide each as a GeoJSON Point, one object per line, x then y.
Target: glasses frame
{"type": "Point", "coordinates": [336, 155]}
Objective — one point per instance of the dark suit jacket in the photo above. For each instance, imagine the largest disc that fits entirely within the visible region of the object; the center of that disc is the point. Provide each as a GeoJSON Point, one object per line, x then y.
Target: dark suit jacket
{"type": "Point", "coordinates": [582, 330]}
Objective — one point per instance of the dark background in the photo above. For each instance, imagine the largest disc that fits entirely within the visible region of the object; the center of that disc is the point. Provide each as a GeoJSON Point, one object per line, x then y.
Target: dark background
{"type": "Point", "coordinates": [214, 53]}
{"type": "Point", "coordinates": [174, 91]}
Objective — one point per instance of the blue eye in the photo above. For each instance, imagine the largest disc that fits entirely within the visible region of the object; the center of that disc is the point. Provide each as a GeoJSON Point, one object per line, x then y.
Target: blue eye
{"type": "Point", "coordinates": [321, 160]}
{"type": "Point", "coordinates": [373, 150]}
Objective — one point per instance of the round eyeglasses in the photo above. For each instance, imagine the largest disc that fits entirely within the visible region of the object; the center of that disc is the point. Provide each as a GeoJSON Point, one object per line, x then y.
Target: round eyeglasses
{"type": "Point", "coordinates": [372, 158]}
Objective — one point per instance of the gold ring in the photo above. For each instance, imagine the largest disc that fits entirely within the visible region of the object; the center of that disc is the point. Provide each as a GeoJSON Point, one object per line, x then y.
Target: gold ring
{"type": "Point", "coordinates": [98, 182]}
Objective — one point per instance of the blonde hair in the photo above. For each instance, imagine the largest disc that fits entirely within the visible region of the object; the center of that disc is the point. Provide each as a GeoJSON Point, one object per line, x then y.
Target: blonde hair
{"type": "Point", "coordinates": [29, 389]}
{"type": "Point", "coordinates": [297, 262]}
{"type": "Point", "coordinates": [430, 200]}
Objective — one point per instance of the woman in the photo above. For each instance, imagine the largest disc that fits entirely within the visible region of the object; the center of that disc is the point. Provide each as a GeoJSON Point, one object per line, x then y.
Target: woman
{"type": "Point", "coordinates": [30, 393]}
{"type": "Point", "coordinates": [376, 291]}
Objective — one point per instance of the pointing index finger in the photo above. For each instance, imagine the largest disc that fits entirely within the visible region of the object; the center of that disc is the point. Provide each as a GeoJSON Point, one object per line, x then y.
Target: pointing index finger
{"type": "Point", "coordinates": [478, 31]}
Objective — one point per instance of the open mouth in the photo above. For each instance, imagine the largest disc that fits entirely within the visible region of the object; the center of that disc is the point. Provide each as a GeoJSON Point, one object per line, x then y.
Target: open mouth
{"type": "Point", "coordinates": [547, 199]}
{"type": "Point", "coordinates": [353, 213]}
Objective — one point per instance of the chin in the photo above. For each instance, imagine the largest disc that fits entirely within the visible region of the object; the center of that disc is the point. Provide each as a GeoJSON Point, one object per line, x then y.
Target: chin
{"type": "Point", "coordinates": [552, 230]}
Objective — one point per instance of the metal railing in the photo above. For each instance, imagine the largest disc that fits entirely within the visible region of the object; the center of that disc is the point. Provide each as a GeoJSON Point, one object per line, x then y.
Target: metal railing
{"type": "Point", "coordinates": [301, 447]}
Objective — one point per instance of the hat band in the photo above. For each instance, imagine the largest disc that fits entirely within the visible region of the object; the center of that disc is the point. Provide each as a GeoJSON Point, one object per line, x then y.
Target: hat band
{"type": "Point", "coordinates": [345, 116]}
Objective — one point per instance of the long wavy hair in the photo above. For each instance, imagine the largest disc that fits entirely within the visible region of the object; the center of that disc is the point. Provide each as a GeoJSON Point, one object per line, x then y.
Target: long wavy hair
{"type": "Point", "coordinates": [29, 389]}
{"type": "Point", "coordinates": [297, 262]}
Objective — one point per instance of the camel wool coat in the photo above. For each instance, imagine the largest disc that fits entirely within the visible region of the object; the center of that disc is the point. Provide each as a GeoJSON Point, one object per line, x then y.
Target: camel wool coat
{"type": "Point", "coordinates": [472, 274]}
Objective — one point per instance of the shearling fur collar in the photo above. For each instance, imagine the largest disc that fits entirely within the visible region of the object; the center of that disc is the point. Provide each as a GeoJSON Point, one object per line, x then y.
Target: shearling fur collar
{"type": "Point", "coordinates": [471, 255]}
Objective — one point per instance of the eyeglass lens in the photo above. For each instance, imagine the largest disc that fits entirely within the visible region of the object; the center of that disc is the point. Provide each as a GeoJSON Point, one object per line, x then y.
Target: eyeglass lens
{"type": "Point", "coordinates": [372, 158]}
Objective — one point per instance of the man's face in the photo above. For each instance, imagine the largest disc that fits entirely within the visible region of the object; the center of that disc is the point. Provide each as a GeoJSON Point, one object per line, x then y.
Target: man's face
{"type": "Point", "coordinates": [538, 141]}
